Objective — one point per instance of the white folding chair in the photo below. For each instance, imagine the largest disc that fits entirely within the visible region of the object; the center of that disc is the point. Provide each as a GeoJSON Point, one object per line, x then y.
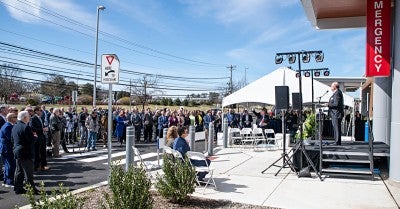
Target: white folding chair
{"type": "Point", "coordinates": [247, 137]}
{"type": "Point", "coordinates": [271, 140]}
{"type": "Point", "coordinates": [235, 138]}
{"type": "Point", "coordinates": [207, 168]}
{"type": "Point", "coordinates": [258, 137]}
{"type": "Point", "coordinates": [169, 150]}
{"type": "Point", "coordinates": [146, 165]}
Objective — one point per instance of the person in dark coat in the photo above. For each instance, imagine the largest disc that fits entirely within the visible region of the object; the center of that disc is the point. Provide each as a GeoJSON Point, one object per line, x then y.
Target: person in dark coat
{"type": "Point", "coordinates": [247, 119]}
{"type": "Point", "coordinates": [6, 149]}
{"type": "Point", "coordinates": [336, 111]}
{"type": "Point", "coordinates": [37, 125]}
{"type": "Point", "coordinates": [23, 139]}
{"type": "Point", "coordinates": [148, 126]}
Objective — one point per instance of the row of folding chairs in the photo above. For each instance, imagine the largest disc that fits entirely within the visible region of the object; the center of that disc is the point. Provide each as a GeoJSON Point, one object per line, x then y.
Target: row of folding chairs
{"type": "Point", "coordinates": [254, 138]}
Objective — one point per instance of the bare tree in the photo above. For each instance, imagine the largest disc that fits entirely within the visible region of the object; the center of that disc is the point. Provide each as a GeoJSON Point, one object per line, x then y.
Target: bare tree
{"type": "Point", "coordinates": [8, 82]}
{"type": "Point", "coordinates": [56, 85]}
{"type": "Point", "coordinates": [143, 89]}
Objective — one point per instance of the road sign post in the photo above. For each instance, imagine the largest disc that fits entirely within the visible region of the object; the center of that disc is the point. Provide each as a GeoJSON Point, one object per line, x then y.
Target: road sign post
{"type": "Point", "coordinates": [110, 76]}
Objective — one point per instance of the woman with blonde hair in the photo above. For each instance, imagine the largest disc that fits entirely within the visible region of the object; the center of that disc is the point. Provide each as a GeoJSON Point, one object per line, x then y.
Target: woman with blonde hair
{"type": "Point", "coordinates": [172, 134]}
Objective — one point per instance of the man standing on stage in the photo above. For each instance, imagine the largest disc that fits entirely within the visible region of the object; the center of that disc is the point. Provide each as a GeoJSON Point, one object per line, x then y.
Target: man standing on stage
{"type": "Point", "coordinates": [336, 111]}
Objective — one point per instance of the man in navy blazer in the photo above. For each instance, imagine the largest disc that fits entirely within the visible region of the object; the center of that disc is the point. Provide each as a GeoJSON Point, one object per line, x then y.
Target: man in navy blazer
{"type": "Point", "coordinates": [336, 111]}
{"type": "Point", "coordinates": [23, 139]}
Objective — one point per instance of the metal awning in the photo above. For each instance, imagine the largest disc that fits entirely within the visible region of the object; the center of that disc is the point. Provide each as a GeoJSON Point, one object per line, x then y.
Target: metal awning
{"type": "Point", "coordinates": [335, 14]}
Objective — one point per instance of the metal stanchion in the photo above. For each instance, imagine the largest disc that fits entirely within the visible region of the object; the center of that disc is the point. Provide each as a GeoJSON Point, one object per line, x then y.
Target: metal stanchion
{"type": "Point", "coordinates": [130, 142]}
{"type": "Point", "coordinates": [192, 133]}
{"type": "Point", "coordinates": [210, 139]}
{"type": "Point", "coordinates": [225, 133]}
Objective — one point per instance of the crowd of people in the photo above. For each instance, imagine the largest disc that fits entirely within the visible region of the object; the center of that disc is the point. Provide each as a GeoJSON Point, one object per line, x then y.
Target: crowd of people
{"type": "Point", "coordinates": [29, 135]}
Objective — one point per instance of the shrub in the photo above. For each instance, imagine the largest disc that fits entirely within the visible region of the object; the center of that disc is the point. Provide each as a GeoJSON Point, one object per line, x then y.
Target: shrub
{"type": "Point", "coordinates": [124, 100]}
{"type": "Point", "coordinates": [178, 180]}
{"type": "Point", "coordinates": [130, 189]}
{"type": "Point", "coordinates": [63, 199]}
{"type": "Point", "coordinates": [85, 99]}
{"type": "Point", "coordinates": [309, 127]}
{"type": "Point", "coordinates": [32, 102]}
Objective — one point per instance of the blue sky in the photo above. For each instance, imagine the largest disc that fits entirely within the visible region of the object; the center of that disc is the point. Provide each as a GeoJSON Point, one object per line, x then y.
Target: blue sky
{"type": "Point", "coordinates": [185, 38]}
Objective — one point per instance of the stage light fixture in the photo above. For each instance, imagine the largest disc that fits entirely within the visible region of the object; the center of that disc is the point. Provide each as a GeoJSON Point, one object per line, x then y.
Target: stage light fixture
{"type": "Point", "coordinates": [292, 58]}
{"type": "Point", "coordinates": [297, 75]}
{"type": "Point", "coordinates": [278, 59]}
{"type": "Point", "coordinates": [306, 58]}
{"type": "Point", "coordinates": [326, 73]}
{"type": "Point", "coordinates": [307, 74]}
{"type": "Point", "coordinates": [319, 57]}
{"type": "Point", "coordinates": [317, 73]}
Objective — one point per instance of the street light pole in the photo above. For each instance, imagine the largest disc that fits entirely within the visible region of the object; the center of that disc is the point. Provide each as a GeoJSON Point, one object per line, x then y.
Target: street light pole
{"type": "Point", "coordinates": [95, 54]}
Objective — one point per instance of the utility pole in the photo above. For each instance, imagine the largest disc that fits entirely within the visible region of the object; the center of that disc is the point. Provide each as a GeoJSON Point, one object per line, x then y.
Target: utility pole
{"type": "Point", "coordinates": [245, 75]}
{"type": "Point", "coordinates": [130, 95]}
{"type": "Point", "coordinates": [231, 68]}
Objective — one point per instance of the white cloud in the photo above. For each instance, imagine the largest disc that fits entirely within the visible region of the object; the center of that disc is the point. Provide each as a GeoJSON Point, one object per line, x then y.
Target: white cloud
{"type": "Point", "coordinates": [20, 10]}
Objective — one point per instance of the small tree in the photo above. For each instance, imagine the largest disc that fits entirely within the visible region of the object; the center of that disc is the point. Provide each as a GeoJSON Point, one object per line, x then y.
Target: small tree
{"type": "Point", "coordinates": [177, 102]}
{"type": "Point", "coordinates": [130, 189]}
{"type": "Point", "coordinates": [178, 180]}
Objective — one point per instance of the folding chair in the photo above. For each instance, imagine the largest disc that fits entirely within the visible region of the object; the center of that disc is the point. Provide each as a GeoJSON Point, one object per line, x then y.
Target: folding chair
{"type": "Point", "coordinates": [258, 137]}
{"type": "Point", "coordinates": [247, 137]}
{"type": "Point", "coordinates": [207, 168]}
{"type": "Point", "coordinates": [169, 150]}
{"type": "Point", "coordinates": [146, 165]}
{"type": "Point", "coordinates": [271, 140]}
{"type": "Point", "coordinates": [235, 137]}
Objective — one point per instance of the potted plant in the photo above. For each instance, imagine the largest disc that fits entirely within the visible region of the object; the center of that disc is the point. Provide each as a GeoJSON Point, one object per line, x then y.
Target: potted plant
{"type": "Point", "coordinates": [309, 127]}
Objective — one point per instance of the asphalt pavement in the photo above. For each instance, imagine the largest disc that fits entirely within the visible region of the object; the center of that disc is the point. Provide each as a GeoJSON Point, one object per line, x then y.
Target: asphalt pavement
{"type": "Point", "coordinates": [79, 169]}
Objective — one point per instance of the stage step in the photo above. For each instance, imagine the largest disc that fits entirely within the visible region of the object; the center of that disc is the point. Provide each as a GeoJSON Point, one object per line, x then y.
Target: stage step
{"type": "Point", "coordinates": [364, 171]}
{"type": "Point", "coordinates": [327, 152]}
{"type": "Point", "coordinates": [331, 160]}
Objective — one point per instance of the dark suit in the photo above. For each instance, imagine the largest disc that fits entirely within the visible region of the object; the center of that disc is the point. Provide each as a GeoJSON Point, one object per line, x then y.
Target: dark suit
{"type": "Point", "coordinates": [336, 111]}
{"type": "Point", "coordinates": [40, 146]}
{"type": "Point", "coordinates": [23, 151]}
{"type": "Point", "coordinates": [247, 120]}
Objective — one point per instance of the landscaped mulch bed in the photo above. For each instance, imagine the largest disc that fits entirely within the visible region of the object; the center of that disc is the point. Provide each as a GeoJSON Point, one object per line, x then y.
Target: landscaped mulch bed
{"type": "Point", "coordinates": [95, 198]}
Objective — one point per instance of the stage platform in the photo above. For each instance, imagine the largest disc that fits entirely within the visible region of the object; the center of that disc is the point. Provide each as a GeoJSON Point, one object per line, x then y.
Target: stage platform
{"type": "Point", "coordinates": [348, 148]}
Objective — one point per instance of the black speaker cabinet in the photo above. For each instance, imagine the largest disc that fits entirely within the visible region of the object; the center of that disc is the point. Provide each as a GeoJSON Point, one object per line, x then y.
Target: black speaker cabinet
{"type": "Point", "coordinates": [296, 101]}
{"type": "Point", "coordinates": [282, 97]}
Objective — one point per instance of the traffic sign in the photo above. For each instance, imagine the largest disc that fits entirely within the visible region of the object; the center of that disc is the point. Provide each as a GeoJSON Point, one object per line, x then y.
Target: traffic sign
{"type": "Point", "coordinates": [109, 69]}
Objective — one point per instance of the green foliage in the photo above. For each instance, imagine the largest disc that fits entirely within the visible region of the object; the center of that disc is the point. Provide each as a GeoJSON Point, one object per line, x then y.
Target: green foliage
{"type": "Point", "coordinates": [62, 199]}
{"type": "Point", "coordinates": [309, 127]}
{"type": "Point", "coordinates": [170, 102]}
{"type": "Point", "coordinates": [185, 102]}
{"type": "Point", "coordinates": [130, 189]}
{"type": "Point", "coordinates": [32, 102]}
{"type": "Point", "coordinates": [177, 102]}
{"type": "Point", "coordinates": [164, 102]}
{"type": "Point", "coordinates": [122, 94]}
{"type": "Point", "coordinates": [178, 180]}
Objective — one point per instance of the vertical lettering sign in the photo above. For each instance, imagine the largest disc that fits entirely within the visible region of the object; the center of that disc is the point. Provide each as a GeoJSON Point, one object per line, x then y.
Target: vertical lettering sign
{"type": "Point", "coordinates": [378, 38]}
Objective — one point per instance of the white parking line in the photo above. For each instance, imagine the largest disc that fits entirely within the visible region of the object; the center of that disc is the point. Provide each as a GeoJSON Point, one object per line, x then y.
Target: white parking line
{"type": "Point", "coordinates": [102, 157]}
{"type": "Point", "coordinates": [144, 156]}
{"type": "Point", "coordinates": [83, 154]}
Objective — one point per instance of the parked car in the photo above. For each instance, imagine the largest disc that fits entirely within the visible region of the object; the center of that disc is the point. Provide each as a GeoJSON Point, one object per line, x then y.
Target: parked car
{"type": "Point", "coordinates": [46, 99]}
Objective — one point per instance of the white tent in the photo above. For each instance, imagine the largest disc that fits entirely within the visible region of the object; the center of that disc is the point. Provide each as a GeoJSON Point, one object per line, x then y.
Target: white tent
{"type": "Point", "coordinates": [263, 89]}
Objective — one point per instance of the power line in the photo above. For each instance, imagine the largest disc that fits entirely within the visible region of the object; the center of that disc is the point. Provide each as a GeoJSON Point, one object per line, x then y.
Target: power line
{"type": "Point", "coordinates": [42, 55]}
{"type": "Point", "coordinates": [114, 37]}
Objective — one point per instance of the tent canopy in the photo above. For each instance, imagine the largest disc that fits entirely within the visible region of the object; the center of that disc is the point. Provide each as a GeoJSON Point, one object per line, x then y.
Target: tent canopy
{"type": "Point", "coordinates": [263, 89]}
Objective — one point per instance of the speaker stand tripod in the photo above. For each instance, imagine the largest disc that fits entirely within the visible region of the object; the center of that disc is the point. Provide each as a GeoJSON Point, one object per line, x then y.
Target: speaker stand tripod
{"type": "Point", "coordinates": [284, 156]}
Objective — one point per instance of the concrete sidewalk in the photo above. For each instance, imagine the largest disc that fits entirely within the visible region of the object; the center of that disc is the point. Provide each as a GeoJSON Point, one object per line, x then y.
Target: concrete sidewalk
{"type": "Point", "coordinates": [239, 179]}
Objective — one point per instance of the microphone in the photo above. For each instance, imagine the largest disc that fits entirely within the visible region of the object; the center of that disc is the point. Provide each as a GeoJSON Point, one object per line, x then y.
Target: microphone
{"type": "Point", "coordinates": [323, 94]}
